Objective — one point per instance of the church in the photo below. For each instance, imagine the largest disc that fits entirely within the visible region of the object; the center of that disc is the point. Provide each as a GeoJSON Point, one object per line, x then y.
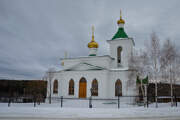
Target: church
{"type": "Point", "coordinates": [103, 77]}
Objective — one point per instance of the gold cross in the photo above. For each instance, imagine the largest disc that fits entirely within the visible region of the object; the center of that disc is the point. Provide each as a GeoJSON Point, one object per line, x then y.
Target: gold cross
{"type": "Point", "coordinates": [93, 30]}
{"type": "Point", "coordinates": [120, 14]}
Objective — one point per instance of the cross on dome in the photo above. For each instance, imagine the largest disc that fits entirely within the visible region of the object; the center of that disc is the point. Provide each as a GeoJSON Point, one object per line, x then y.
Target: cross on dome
{"type": "Point", "coordinates": [120, 21]}
{"type": "Point", "coordinates": [120, 33]}
{"type": "Point", "coordinates": [93, 44]}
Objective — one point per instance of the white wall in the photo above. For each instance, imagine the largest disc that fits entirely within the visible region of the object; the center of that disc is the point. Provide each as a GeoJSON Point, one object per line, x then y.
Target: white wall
{"type": "Point", "coordinates": [127, 48]}
{"type": "Point", "coordinates": [102, 61]}
{"type": "Point", "coordinates": [106, 83]}
{"type": "Point", "coordinates": [64, 77]}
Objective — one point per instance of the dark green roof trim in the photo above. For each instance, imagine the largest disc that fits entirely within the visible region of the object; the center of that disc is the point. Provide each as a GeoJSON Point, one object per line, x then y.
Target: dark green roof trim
{"type": "Point", "coordinates": [120, 34]}
{"type": "Point", "coordinates": [144, 81]}
{"type": "Point", "coordinates": [92, 55]}
{"type": "Point", "coordinates": [87, 57]}
{"type": "Point", "coordinates": [94, 67]}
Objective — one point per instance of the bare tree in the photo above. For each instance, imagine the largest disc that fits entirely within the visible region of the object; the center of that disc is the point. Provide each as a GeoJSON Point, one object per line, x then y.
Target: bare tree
{"type": "Point", "coordinates": [132, 64]}
{"type": "Point", "coordinates": [156, 62]}
{"type": "Point", "coordinates": [168, 57]}
{"type": "Point", "coordinates": [177, 68]}
{"type": "Point", "coordinates": [137, 63]}
{"type": "Point", "coordinates": [154, 58]}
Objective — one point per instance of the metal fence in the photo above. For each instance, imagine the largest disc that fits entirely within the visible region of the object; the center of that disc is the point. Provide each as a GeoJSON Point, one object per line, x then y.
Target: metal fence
{"type": "Point", "coordinates": [119, 102]}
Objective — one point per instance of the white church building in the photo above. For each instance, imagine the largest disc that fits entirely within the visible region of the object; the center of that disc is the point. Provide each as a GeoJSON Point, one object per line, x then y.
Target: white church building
{"type": "Point", "coordinates": [97, 76]}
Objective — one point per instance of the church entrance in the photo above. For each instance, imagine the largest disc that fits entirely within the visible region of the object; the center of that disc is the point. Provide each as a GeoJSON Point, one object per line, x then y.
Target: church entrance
{"type": "Point", "coordinates": [82, 88]}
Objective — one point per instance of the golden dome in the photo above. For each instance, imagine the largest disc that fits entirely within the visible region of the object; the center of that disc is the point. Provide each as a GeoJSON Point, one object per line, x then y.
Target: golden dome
{"type": "Point", "coordinates": [93, 44]}
{"type": "Point", "coordinates": [120, 21]}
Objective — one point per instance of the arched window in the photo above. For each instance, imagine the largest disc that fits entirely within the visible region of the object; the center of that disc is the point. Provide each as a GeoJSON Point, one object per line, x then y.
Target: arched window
{"type": "Point", "coordinates": [71, 87]}
{"type": "Point", "coordinates": [94, 90]}
{"type": "Point", "coordinates": [55, 87]}
{"type": "Point", "coordinates": [118, 88]}
{"type": "Point", "coordinates": [119, 51]}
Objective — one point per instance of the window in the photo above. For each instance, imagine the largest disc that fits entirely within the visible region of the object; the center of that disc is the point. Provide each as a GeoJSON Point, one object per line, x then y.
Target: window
{"type": "Point", "coordinates": [94, 91]}
{"type": "Point", "coordinates": [119, 51]}
{"type": "Point", "coordinates": [55, 87]}
{"type": "Point", "coordinates": [118, 88]}
{"type": "Point", "coordinates": [71, 87]}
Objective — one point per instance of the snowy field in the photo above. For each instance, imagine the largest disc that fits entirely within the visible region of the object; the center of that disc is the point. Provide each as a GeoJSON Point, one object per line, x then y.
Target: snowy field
{"type": "Point", "coordinates": [79, 109]}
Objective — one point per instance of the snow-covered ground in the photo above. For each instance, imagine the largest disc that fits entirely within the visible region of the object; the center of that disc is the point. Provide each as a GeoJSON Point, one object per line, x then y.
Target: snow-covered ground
{"type": "Point", "coordinates": [79, 109]}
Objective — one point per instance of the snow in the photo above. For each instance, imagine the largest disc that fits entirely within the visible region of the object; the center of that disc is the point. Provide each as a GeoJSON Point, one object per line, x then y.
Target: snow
{"type": "Point", "coordinates": [79, 109]}
{"type": "Point", "coordinates": [125, 68]}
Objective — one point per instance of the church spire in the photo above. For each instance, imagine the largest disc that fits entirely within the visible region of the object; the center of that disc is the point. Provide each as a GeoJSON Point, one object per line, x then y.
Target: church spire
{"type": "Point", "coordinates": [120, 33]}
{"type": "Point", "coordinates": [120, 14]}
{"type": "Point", "coordinates": [93, 46]}
{"type": "Point", "coordinates": [92, 33]}
{"type": "Point", "coordinates": [120, 21]}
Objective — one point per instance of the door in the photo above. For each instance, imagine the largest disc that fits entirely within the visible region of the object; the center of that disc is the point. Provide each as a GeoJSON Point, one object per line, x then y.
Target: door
{"type": "Point", "coordinates": [82, 88]}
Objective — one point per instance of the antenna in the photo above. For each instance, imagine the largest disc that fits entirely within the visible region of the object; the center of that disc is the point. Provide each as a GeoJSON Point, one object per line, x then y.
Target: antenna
{"type": "Point", "coordinates": [65, 54]}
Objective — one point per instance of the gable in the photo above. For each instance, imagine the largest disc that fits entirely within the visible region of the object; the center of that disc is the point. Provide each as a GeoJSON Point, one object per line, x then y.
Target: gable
{"type": "Point", "coordinates": [83, 67]}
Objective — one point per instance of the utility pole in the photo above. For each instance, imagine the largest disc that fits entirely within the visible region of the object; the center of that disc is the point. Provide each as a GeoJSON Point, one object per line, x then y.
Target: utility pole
{"type": "Point", "coordinates": [50, 92]}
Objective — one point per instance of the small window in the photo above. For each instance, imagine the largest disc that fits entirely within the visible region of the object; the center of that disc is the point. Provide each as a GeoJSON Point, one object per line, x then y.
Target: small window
{"type": "Point", "coordinates": [118, 88]}
{"type": "Point", "coordinates": [119, 51]}
{"type": "Point", "coordinates": [94, 91]}
{"type": "Point", "coordinates": [55, 87]}
{"type": "Point", "coordinates": [71, 87]}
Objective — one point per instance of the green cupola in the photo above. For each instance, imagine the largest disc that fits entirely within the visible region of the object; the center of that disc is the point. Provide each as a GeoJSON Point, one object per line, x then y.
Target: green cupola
{"type": "Point", "coordinates": [120, 33]}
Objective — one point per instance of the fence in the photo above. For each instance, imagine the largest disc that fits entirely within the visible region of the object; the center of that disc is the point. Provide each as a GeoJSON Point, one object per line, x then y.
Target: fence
{"type": "Point", "coordinates": [119, 102]}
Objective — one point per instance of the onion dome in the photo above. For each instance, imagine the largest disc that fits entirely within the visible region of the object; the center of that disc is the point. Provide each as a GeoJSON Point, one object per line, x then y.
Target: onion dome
{"type": "Point", "coordinates": [120, 21]}
{"type": "Point", "coordinates": [93, 44]}
{"type": "Point", "coordinates": [121, 32]}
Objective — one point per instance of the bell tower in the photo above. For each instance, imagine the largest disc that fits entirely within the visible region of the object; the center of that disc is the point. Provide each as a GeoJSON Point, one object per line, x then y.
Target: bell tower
{"type": "Point", "coordinates": [121, 46]}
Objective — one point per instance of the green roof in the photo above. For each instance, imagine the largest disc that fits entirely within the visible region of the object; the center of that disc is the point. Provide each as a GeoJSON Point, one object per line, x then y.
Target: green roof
{"type": "Point", "coordinates": [120, 34]}
{"type": "Point", "coordinates": [92, 55]}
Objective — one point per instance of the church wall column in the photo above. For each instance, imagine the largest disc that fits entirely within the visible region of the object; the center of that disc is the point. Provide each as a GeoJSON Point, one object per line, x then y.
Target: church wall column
{"type": "Point", "coordinates": [76, 87]}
